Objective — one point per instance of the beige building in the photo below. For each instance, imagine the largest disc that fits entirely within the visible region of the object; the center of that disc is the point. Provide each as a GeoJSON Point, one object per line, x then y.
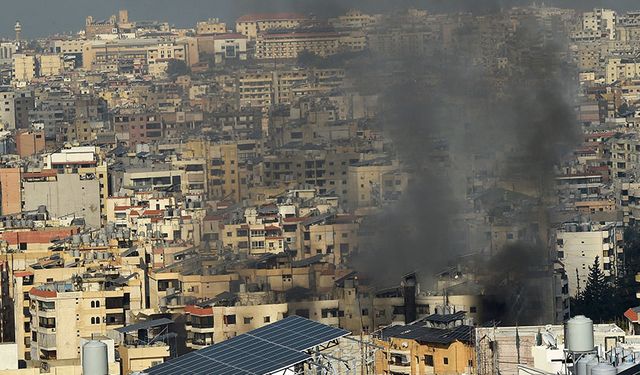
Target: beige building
{"type": "Point", "coordinates": [252, 24]}
{"type": "Point", "coordinates": [50, 65]}
{"type": "Point", "coordinates": [619, 68]}
{"type": "Point", "coordinates": [211, 26]}
{"type": "Point", "coordinates": [135, 55]}
{"type": "Point", "coordinates": [63, 312]}
{"type": "Point", "coordinates": [11, 191]}
{"type": "Point", "coordinates": [24, 68]}
{"type": "Point", "coordinates": [287, 45]}
{"type": "Point", "coordinates": [600, 20]}
{"type": "Point", "coordinates": [365, 182]}
{"type": "Point", "coordinates": [213, 324]}
{"type": "Point", "coordinates": [441, 351]}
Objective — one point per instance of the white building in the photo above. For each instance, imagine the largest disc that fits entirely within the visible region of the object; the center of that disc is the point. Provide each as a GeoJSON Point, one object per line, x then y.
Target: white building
{"type": "Point", "coordinates": [578, 245]}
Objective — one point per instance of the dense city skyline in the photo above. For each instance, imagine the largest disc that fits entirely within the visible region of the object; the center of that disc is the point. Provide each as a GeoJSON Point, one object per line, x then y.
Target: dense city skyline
{"type": "Point", "coordinates": [445, 187]}
{"type": "Point", "coordinates": [41, 18]}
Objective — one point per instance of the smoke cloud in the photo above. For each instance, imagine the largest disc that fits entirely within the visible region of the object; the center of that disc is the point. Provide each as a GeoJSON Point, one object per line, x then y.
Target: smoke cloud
{"type": "Point", "coordinates": [466, 119]}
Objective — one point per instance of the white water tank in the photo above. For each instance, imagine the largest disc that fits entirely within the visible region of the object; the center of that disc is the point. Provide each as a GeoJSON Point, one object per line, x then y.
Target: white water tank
{"type": "Point", "coordinates": [578, 334]}
{"type": "Point", "coordinates": [603, 369]}
{"type": "Point", "coordinates": [581, 366]}
{"type": "Point", "coordinates": [95, 358]}
{"type": "Point", "coordinates": [591, 364]}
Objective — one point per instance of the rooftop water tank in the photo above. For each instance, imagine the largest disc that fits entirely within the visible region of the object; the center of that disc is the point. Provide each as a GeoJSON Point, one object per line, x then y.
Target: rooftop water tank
{"type": "Point", "coordinates": [581, 365]}
{"type": "Point", "coordinates": [591, 364]}
{"type": "Point", "coordinates": [94, 358]}
{"type": "Point", "coordinates": [603, 369]}
{"type": "Point", "coordinates": [578, 334]}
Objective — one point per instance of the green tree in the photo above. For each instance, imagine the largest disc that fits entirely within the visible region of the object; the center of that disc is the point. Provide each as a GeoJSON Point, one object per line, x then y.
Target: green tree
{"type": "Point", "coordinates": [596, 299]}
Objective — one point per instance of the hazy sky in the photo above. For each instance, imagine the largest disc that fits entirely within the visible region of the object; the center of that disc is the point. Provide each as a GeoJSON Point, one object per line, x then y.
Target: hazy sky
{"type": "Point", "coordinates": [44, 17]}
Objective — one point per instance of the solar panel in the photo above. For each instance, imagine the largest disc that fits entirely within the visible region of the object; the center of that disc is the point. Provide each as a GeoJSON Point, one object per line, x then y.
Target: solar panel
{"type": "Point", "coordinates": [262, 351]}
{"type": "Point", "coordinates": [298, 333]}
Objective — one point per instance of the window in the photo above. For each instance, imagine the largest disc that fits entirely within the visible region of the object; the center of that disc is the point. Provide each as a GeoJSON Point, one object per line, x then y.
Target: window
{"type": "Point", "coordinates": [230, 319]}
{"type": "Point", "coordinates": [247, 319]}
{"type": "Point", "coordinates": [446, 360]}
{"type": "Point", "coordinates": [267, 319]}
{"type": "Point", "coordinates": [473, 309]}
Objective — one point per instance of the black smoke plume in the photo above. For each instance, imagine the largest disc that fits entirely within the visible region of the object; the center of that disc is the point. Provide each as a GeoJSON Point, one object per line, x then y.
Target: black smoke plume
{"type": "Point", "coordinates": [506, 100]}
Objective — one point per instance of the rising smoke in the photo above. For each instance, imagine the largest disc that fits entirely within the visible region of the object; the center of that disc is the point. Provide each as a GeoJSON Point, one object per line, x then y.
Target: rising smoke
{"type": "Point", "coordinates": [508, 103]}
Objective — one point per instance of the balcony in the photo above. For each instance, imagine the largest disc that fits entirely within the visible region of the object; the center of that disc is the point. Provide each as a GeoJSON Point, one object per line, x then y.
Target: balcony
{"type": "Point", "coordinates": [47, 341]}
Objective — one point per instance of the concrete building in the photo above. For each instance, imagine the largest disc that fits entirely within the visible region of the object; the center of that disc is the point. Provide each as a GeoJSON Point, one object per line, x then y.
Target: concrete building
{"type": "Point", "coordinates": [252, 24]}
{"type": "Point", "coordinates": [621, 68]}
{"type": "Point", "coordinates": [24, 68]}
{"type": "Point", "coordinates": [426, 347]}
{"type": "Point", "coordinates": [504, 349]}
{"type": "Point", "coordinates": [50, 65]}
{"type": "Point", "coordinates": [7, 50]}
{"type": "Point", "coordinates": [211, 26]}
{"type": "Point", "coordinates": [600, 20]}
{"type": "Point", "coordinates": [64, 312]}
{"type": "Point", "coordinates": [227, 47]}
{"type": "Point", "coordinates": [30, 142]}
{"type": "Point", "coordinates": [579, 244]}
{"type": "Point", "coordinates": [82, 160]}
{"type": "Point", "coordinates": [287, 45]}
{"type": "Point", "coordinates": [64, 195]}
{"type": "Point", "coordinates": [15, 106]}
{"type": "Point", "coordinates": [365, 181]}
{"type": "Point", "coordinates": [11, 191]}
{"type": "Point", "coordinates": [132, 55]}
{"type": "Point", "coordinates": [212, 324]}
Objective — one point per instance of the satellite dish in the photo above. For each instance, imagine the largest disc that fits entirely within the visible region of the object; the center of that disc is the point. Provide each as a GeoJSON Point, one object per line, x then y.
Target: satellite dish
{"type": "Point", "coordinates": [549, 340]}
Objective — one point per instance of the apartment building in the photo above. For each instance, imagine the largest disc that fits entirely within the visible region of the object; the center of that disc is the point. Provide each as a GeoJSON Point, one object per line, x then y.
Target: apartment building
{"type": "Point", "coordinates": [621, 68]}
{"type": "Point", "coordinates": [69, 195]}
{"type": "Point", "coordinates": [578, 244]}
{"type": "Point", "coordinates": [24, 68]}
{"type": "Point", "coordinates": [64, 312]}
{"type": "Point", "coordinates": [226, 47]}
{"type": "Point", "coordinates": [326, 169]}
{"type": "Point", "coordinates": [366, 181]}
{"type": "Point", "coordinates": [83, 160]}
{"type": "Point", "coordinates": [7, 50]}
{"type": "Point", "coordinates": [10, 191]}
{"type": "Point", "coordinates": [252, 24]}
{"type": "Point", "coordinates": [14, 108]}
{"type": "Point", "coordinates": [50, 65]}
{"type": "Point", "coordinates": [130, 55]}
{"type": "Point", "coordinates": [227, 316]}
{"type": "Point", "coordinates": [135, 127]}
{"type": "Point", "coordinates": [211, 26]}
{"type": "Point", "coordinates": [25, 280]}
{"type": "Point", "coordinates": [427, 347]}
{"type": "Point", "coordinates": [288, 45]}
{"type": "Point", "coordinates": [600, 20]}
{"type": "Point", "coordinates": [354, 19]}
{"type": "Point", "coordinates": [30, 142]}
